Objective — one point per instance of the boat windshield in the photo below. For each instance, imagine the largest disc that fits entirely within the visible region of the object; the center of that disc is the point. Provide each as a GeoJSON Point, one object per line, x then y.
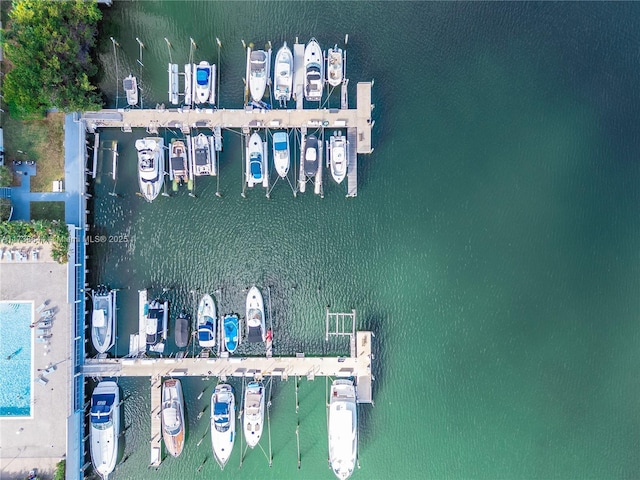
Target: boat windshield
{"type": "Point", "coordinates": [254, 317]}
{"type": "Point", "coordinates": [102, 426]}
{"type": "Point", "coordinates": [221, 416]}
{"type": "Point", "coordinates": [311, 154]}
{"type": "Point", "coordinates": [280, 145]}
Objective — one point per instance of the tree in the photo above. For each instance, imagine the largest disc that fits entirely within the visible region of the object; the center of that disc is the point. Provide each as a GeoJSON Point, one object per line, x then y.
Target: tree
{"type": "Point", "coordinates": [5, 176]}
{"type": "Point", "coordinates": [49, 46]}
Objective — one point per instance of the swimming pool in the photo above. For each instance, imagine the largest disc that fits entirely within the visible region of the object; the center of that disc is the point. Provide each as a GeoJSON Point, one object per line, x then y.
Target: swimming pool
{"type": "Point", "coordinates": [15, 358]}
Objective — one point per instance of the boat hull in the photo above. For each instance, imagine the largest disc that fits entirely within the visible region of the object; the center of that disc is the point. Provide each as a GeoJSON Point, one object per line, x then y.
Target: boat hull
{"type": "Point", "coordinates": [255, 168]}
{"type": "Point", "coordinates": [343, 428]}
{"type": "Point", "coordinates": [253, 418]}
{"type": "Point", "coordinates": [150, 166]}
{"type": "Point", "coordinates": [203, 80]}
{"type": "Point", "coordinates": [231, 333]}
{"type": "Point", "coordinates": [207, 322]}
{"type": "Point", "coordinates": [130, 85]}
{"type": "Point", "coordinates": [258, 74]}
{"type": "Point", "coordinates": [203, 160]}
{"type": "Point", "coordinates": [338, 149]}
{"type": "Point", "coordinates": [281, 153]}
{"type": "Point", "coordinates": [178, 164]}
{"type": "Point", "coordinates": [223, 422]}
{"type": "Point", "coordinates": [311, 156]}
{"type": "Point", "coordinates": [105, 427]}
{"type": "Point", "coordinates": [334, 66]}
{"type": "Point", "coordinates": [283, 74]}
{"type": "Point", "coordinates": [255, 316]}
{"type": "Point", "coordinates": [173, 429]}
{"type": "Point", "coordinates": [183, 323]}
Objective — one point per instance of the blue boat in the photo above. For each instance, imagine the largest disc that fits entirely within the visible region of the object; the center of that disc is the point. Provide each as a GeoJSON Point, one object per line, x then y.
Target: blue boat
{"type": "Point", "coordinates": [231, 332]}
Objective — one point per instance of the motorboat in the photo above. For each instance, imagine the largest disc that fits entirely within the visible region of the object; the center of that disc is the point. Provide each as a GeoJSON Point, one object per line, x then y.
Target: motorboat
{"type": "Point", "coordinates": [130, 85]}
{"type": "Point", "coordinates": [157, 318]}
{"type": "Point", "coordinates": [281, 155]}
{"type": "Point", "coordinates": [173, 428]}
{"type": "Point", "coordinates": [313, 71]}
{"type": "Point", "coordinates": [105, 427]}
{"type": "Point", "coordinates": [223, 422]}
{"type": "Point", "coordinates": [231, 326]}
{"type": "Point", "coordinates": [256, 168]}
{"type": "Point", "coordinates": [207, 322]}
{"type": "Point", "coordinates": [179, 165]}
{"type": "Point", "coordinates": [203, 80]}
{"type": "Point", "coordinates": [183, 323]}
{"type": "Point", "coordinates": [338, 155]}
{"type": "Point", "coordinates": [335, 66]}
{"type": "Point", "coordinates": [255, 316]}
{"type": "Point", "coordinates": [253, 419]}
{"type": "Point", "coordinates": [103, 318]}
{"type": "Point", "coordinates": [283, 74]}
{"type": "Point", "coordinates": [343, 428]}
{"type": "Point", "coordinates": [258, 74]}
{"type": "Point", "coordinates": [311, 155]}
{"type": "Point", "coordinates": [150, 166]}
{"type": "Point", "coordinates": [202, 162]}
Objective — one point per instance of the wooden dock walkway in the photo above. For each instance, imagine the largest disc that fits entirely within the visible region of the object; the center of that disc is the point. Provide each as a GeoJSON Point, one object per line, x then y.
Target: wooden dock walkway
{"type": "Point", "coordinates": [156, 422]}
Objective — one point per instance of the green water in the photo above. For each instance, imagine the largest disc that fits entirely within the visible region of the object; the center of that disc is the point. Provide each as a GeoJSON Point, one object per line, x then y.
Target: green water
{"type": "Point", "coordinates": [493, 246]}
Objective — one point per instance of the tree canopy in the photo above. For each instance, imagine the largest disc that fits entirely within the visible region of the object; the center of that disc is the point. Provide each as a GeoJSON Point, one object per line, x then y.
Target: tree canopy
{"type": "Point", "coordinates": [49, 46]}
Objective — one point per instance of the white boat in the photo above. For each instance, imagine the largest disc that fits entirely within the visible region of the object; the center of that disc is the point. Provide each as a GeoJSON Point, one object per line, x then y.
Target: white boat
{"type": "Point", "coordinates": [256, 164]}
{"type": "Point", "coordinates": [313, 71]}
{"type": "Point", "coordinates": [156, 324]}
{"type": "Point", "coordinates": [103, 318]}
{"type": "Point", "coordinates": [179, 173]}
{"type": "Point", "coordinates": [256, 331]}
{"type": "Point", "coordinates": [343, 428]}
{"type": "Point", "coordinates": [311, 155]}
{"type": "Point", "coordinates": [173, 416]}
{"type": "Point", "coordinates": [207, 322]}
{"type": "Point", "coordinates": [203, 82]}
{"type": "Point", "coordinates": [150, 166]}
{"type": "Point", "coordinates": [334, 66]}
{"type": "Point", "coordinates": [283, 74]}
{"type": "Point", "coordinates": [253, 418]}
{"type": "Point", "coordinates": [105, 427]}
{"type": "Point", "coordinates": [338, 155]}
{"type": "Point", "coordinates": [223, 422]}
{"type": "Point", "coordinates": [130, 85]}
{"type": "Point", "coordinates": [202, 161]}
{"type": "Point", "coordinates": [257, 74]}
{"type": "Point", "coordinates": [281, 155]}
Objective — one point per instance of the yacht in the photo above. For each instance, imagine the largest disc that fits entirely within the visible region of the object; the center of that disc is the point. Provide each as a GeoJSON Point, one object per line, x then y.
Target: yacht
{"type": "Point", "coordinates": [105, 427]}
{"type": "Point", "coordinates": [183, 323]}
{"type": "Point", "coordinates": [343, 428]}
{"type": "Point", "coordinates": [255, 316]}
{"type": "Point", "coordinates": [173, 416]}
{"type": "Point", "coordinates": [334, 66]}
{"type": "Point", "coordinates": [157, 318]}
{"type": "Point", "coordinates": [256, 170]}
{"type": "Point", "coordinates": [283, 74]}
{"type": "Point", "coordinates": [258, 74]}
{"type": "Point", "coordinates": [179, 165]}
{"type": "Point", "coordinates": [338, 155]}
{"type": "Point", "coordinates": [130, 85]}
{"type": "Point", "coordinates": [150, 166]}
{"type": "Point", "coordinates": [313, 71]}
{"type": "Point", "coordinates": [231, 332]}
{"type": "Point", "coordinates": [207, 322]}
{"type": "Point", "coordinates": [281, 154]}
{"type": "Point", "coordinates": [311, 155]}
{"type": "Point", "coordinates": [253, 419]}
{"type": "Point", "coordinates": [103, 318]}
{"type": "Point", "coordinates": [203, 82]}
{"type": "Point", "coordinates": [202, 162]}
{"type": "Point", "coordinates": [223, 422]}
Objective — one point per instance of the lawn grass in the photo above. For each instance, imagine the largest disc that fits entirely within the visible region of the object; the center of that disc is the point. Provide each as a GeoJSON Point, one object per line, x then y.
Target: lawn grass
{"type": "Point", "coordinates": [47, 211]}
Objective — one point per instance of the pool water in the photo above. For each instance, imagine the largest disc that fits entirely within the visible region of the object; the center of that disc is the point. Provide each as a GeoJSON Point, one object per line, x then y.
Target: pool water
{"type": "Point", "coordinates": [15, 359]}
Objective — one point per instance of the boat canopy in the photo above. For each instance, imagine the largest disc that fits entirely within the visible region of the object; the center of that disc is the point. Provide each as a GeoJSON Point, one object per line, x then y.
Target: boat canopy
{"type": "Point", "coordinates": [171, 420]}
{"type": "Point", "coordinates": [255, 334]}
{"type": "Point", "coordinates": [177, 164]}
{"type": "Point", "coordinates": [128, 84]}
{"type": "Point", "coordinates": [101, 407]}
{"type": "Point", "coordinates": [221, 408]}
{"type": "Point", "coordinates": [202, 75]}
{"type": "Point", "coordinates": [182, 331]}
{"type": "Point", "coordinates": [202, 157]}
{"type": "Point", "coordinates": [256, 166]}
{"type": "Point", "coordinates": [205, 333]}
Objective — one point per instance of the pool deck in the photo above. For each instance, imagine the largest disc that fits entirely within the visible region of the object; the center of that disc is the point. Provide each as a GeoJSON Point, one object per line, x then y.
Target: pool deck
{"type": "Point", "coordinates": [39, 441]}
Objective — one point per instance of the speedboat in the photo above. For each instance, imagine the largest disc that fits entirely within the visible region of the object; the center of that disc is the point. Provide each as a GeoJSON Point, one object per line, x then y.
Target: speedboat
{"type": "Point", "coordinates": [203, 82]}
{"type": "Point", "coordinates": [150, 166]}
{"type": "Point", "coordinates": [338, 149]}
{"type": "Point", "coordinates": [130, 85]}
{"type": "Point", "coordinates": [179, 165]}
{"type": "Point", "coordinates": [283, 74]}
{"type": "Point", "coordinates": [231, 332]}
{"type": "Point", "coordinates": [313, 71]}
{"type": "Point", "coordinates": [182, 329]}
{"type": "Point", "coordinates": [253, 419]}
{"type": "Point", "coordinates": [311, 156]}
{"type": "Point", "coordinates": [281, 153]}
{"type": "Point", "coordinates": [255, 316]}
{"type": "Point", "coordinates": [223, 422]}
{"type": "Point", "coordinates": [343, 428]}
{"type": "Point", "coordinates": [157, 318]}
{"type": "Point", "coordinates": [105, 427]}
{"type": "Point", "coordinates": [103, 318]}
{"type": "Point", "coordinates": [207, 322]}
{"type": "Point", "coordinates": [255, 160]}
{"type": "Point", "coordinates": [334, 66]}
{"type": "Point", "coordinates": [203, 164]}
{"type": "Point", "coordinates": [172, 416]}
{"type": "Point", "coordinates": [257, 74]}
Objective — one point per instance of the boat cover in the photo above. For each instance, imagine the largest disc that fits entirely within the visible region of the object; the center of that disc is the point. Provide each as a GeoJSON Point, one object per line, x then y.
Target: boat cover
{"type": "Point", "coordinates": [254, 335]}
{"type": "Point", "coordinates": [100, 407]}
{"type": "Point", "coordinates": [128, 84]}
{"type": "Point", "coordinates": [182, 332]}
{"type": "Point", "coordinates": [201, 156]}
{"type": "Point", "coordinates": [205, 333]}
{"type": "Point", "coordinates": [99, 319]}
{"type": "Point", "coordinates": [177, 164]}
{"type": "Point", "coordinates": [202, 75]}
